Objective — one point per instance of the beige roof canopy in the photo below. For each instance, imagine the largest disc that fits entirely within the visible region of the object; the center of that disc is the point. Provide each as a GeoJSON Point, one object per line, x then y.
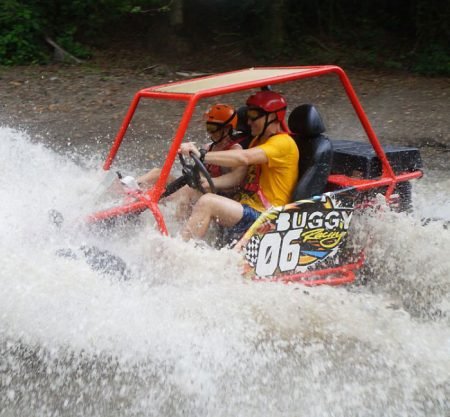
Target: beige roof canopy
{"type": "Point", "coordinates": [229, 79]}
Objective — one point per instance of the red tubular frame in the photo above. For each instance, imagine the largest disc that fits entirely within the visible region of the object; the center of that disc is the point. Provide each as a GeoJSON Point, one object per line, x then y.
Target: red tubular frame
{"type": "Point", "coordinates": [336, 276]}
{"type": "Point", "coordinates": [192, 99]}
{"type": "Point", "coordinates": [150, 198]}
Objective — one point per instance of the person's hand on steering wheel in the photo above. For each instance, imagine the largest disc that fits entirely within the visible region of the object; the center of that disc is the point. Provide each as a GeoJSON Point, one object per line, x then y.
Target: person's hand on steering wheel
{"type": "Point", "coordinates": [205, 184]}
{"type": "Point", "coordinates": [187, 148]}
{"type": "Point", "coordinates": [195, 174]}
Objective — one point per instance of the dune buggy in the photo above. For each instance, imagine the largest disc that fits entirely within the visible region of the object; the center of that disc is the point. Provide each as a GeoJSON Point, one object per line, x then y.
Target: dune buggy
{"type": "Point", "coordinates": [303, 241]}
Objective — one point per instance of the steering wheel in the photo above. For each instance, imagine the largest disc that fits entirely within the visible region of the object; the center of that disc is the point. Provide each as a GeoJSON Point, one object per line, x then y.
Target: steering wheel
{"type": "Point", "coordinates": [191, 176]}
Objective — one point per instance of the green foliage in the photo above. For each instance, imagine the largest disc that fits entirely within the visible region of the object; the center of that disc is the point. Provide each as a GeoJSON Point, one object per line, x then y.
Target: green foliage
{"type": "Point", "coordinates": [68, 42]}
{"type": "Point", "coordinates": [149, 6]}
{"type": "Point", "coordinates": [72, 24]}
{"type": "Point", "coordinates": [405, 34]}
{"type": "Point", "coordinates": [20, 26]}
{"type": "Point", "coordinates": [435, 60]}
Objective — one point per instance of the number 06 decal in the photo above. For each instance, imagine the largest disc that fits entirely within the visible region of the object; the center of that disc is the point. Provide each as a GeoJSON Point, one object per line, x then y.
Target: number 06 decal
{"type": "Point", "coordinates": [275, 251]}
{"type": "Point", "coordinates": [294, 237]}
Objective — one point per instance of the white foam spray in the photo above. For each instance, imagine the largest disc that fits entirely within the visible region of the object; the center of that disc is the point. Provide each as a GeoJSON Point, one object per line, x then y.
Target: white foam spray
{"type": "Point", "coordinates": [188, 336]}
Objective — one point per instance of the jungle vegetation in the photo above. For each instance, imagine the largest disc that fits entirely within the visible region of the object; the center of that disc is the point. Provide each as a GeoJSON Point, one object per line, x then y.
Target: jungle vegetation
{"type": "Point", "coordinates": [411, 35]}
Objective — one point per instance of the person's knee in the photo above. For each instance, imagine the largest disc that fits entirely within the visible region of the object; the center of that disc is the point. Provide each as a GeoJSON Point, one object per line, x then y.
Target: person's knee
{"type": "Point", "coordinates": [150, 177]}
{"type": "Point", "coordinates": [155, 172]}
{"type": "Point", "coordinates": [208, 204]}
{"type": "Point", "coordinates": [205, 202]}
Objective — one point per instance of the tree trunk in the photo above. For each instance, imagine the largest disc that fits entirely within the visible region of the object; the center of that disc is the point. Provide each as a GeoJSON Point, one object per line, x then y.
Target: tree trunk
{"type": "Point", "coordinates": [276, 30]}
{"type": "Point", "coordinates": [176, 13]}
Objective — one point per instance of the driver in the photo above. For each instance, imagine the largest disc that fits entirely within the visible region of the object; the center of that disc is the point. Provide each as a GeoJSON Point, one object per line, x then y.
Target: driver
{"type": "Point", "coordinates": [220, 122]}
{"type": "Point", "coordinates": [272, 161]}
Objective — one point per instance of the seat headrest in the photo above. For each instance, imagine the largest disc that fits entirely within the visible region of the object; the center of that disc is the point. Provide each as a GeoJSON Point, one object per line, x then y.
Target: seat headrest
{"type": "Point", "coordinates": [305, 121]}
{"type": "Point", "coordinates": [242, 124]}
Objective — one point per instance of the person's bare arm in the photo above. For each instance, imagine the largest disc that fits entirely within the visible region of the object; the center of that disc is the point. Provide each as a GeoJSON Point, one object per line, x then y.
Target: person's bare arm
{"type": "Point", "coordinates": [229, 180]}
{"type": "Point", "coordinates": [230, 158]}
{"type": "Point", "coordinates": [237, 158]}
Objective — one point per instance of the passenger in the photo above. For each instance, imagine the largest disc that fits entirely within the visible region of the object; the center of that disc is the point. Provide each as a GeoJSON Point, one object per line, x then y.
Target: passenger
{"type": "Point", "coordinates": [221, 121]}
{"type": "Point", "coordinates": [272, 161]}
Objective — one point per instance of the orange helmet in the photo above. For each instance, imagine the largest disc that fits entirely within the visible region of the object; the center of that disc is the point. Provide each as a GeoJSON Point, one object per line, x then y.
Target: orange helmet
{"type": "Point", "coordinates": [222, 115]}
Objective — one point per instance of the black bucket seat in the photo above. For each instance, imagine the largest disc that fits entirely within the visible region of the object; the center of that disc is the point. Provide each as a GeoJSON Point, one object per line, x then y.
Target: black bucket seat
{"type": "Point", "coordinates": [316, 151]}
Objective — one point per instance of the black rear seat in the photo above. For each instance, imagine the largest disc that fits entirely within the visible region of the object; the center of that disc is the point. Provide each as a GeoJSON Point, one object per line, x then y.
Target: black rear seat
{"type": "Point", "coordinates": [316, 151]}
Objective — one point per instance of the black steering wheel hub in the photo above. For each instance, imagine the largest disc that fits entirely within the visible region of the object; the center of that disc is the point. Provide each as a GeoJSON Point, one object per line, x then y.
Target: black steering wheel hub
{"type": "Point", "coordinates": [192, 176]}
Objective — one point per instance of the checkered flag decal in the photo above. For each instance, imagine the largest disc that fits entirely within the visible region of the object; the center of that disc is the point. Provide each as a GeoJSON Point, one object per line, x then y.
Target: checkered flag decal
{"type": "Point", "coordinates": [251, 250]}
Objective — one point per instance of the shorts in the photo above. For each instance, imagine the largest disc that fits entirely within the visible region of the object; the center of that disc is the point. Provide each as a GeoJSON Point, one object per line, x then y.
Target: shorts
{"type": "Point", "coordinates": [229, 236]}
{"type": "Point", "coordinates": [248, 218]}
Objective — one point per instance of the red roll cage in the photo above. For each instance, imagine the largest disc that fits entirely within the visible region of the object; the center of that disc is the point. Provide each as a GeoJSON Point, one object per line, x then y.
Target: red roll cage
{"type": "Point", "coordinates": [191, 91]}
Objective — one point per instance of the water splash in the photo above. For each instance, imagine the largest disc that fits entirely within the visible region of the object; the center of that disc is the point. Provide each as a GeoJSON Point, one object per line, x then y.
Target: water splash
{"type": "Point", "coordinates": [187, 335]}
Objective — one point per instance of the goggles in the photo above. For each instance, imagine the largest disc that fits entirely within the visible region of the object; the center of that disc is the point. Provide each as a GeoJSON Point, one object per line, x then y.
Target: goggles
{"type": "Point", "coordinates": [213, 127]}
{"type": "Point", "coordinates": [255, 114]}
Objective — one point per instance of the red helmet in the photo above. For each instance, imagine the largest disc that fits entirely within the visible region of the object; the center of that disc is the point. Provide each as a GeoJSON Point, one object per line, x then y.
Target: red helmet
{"type": "Point", "coordinates": [270, 102]}
{"type": "Point", "coordinates": [221, 114]}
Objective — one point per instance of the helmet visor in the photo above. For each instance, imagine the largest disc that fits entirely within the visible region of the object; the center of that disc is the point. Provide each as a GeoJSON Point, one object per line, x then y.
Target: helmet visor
{"type": "Point", "coordinates": [213, 127]}
{"type": "Point", "coordinates": [255, 114]}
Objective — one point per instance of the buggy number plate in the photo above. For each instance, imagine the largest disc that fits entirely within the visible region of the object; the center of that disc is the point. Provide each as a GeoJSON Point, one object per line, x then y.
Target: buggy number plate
{"type": "Point", "coordinates": [296, 236]}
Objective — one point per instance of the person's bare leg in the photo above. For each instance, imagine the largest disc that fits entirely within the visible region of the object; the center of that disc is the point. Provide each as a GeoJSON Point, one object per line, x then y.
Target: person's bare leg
{"type": "Point", "coordinates": [186, 197]}
{"type": "Point", "coordinates": [149, 178]}
{"type": "Point", "coordinates": [211, 206]}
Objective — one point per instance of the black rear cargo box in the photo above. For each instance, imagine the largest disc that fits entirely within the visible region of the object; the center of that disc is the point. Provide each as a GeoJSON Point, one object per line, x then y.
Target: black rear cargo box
{"type": "Point", "coordinates": [354, 158]}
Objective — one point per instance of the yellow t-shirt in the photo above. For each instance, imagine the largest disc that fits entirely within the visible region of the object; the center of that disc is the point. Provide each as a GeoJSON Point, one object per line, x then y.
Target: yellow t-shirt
{"type": "Point", "coordinates": [279, 175]}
